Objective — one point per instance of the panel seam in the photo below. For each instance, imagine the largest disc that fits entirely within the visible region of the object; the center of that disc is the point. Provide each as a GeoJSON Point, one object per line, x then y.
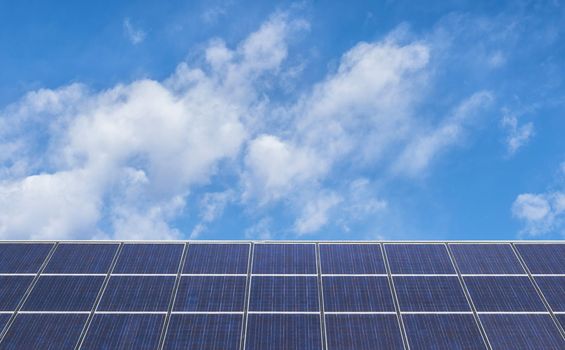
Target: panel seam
{"type": "Point", "coordinates": [243, 339]}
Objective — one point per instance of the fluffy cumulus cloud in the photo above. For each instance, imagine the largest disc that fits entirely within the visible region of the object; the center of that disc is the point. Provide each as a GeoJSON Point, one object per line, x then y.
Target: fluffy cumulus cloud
{"type": "Point", "coordinates": [124, 162]}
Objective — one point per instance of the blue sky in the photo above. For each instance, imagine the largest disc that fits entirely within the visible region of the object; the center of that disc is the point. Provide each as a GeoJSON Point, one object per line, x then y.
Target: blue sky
{"type": "Point", "coordinates": [294, 120]}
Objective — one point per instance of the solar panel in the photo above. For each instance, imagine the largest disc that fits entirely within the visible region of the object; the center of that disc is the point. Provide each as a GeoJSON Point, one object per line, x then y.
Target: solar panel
{"type": "Point", "coordinates": [363, 332]}
{"type": "Point", "coordinates": [201, 331]}
{"type": "Point", "coordinates": [543, 258]}
{"type": "Point", "coordinates": [211, 293]}
{"type": "Point", "coordinates": [357, 293]}
{"type": "Point", "coordinates": [284, 259]}
{"type": "Point", "coordinates": [418, 259]}
{"type": "Point", "coordinates": [443, 331]}
{"type": "Point", "coordinates": [283, 331]}
{"type": "Point", "coordinates": [288, 293]}
{"type": "Point", "coordinates": [351, 259]}
{"type": "Point", "coordinates": [124, 331]}
{"type": "Point", "coordinates": [553, 289]}
{"type": "Point", "coordinates": [440, 293]}
{"type": "Point", "coordinates": [81, 258]}
{"type": "Point", "coordinates": [217, 259]}
{"type": "Point", "coordinates": [64, 293]}
{"type": "Point", "coordinates": [44, 331]}
{"type": "Point", "coordinates": [137, 293]}
{"type": "Point", "coordinates": [4, 320]}
{"type": "Point", "coordinates": [12, 290]}
{"type": "Point", "coordinates": [504, 293]}
{"type": "Point", "coordinates": [149, 259]}
{"type": "Point", "coordinates": [22, 257]}
{"type": "Point", "coordinates": [561, 319]}
{"type": "Point", "coordinates": [486, 259]}
{"type": "Point", "coordinates": [522, 331]}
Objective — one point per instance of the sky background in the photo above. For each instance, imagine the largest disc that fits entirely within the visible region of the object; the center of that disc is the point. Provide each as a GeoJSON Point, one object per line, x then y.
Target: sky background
{"type": "Point", "coordinates": [289, 120]}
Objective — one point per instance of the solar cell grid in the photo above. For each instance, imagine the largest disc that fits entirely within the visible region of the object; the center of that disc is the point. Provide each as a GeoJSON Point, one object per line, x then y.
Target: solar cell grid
{"type": "Point", "coordinates": [553, 290]}
{"type": "Point", "coordinates": [124, 331]}
{"type": "Point", "coordinates": [418, 259]}
{"type": "Point", "coordinates": [149, 259]}
{"type": "Point", "coordinates": [198, 331]}
{"type": "Point", "coordinates": [441, 293]}
{"type": "Point", "coordinates": [504, 293]}
{"type": "Point", "coordinates": [137, 293]}
{"type": "Point", "coordinates": [81, 258]}
{"type": "Point", "coordinates": [357, 293]}
{"type": "Point", "coordinates": [486, 259]}
{"type": "Point", "coordinates": [23, 257]}
{"type": "Point", "coordinates": [64, 293]}
{"type": "Point", "coordinates": [217, 259]}
{"type": "Point", "coordinates": [363, 332]}
{"type": "Point", "coordinates": [284, 294]}
{"type": "Point", "coordinates": [284, 259]}
{"type": "Point", "coordinates": [543, 258]}
{"type": "Point", "coordinates": [283, 331]}
{"type": "Point", "coordinates": [561, 319]}
{"type": "Point", "coordinates": [351, 259]}
{"type": "Point", "coordinates": [210, 293]}
{"type": "Point", "coordinates": [12, 290]}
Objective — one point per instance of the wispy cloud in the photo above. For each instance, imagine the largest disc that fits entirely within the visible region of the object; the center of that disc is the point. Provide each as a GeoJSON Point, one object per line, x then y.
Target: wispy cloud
{"type": "Point", "coordinates": [517, 135]}
{"type": "Point", "coordinates": [134, 34]}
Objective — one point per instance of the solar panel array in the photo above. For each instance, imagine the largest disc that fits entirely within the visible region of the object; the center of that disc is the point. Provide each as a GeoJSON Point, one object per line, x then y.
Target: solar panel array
{"type": "Point", "coordinates": [275, 295]}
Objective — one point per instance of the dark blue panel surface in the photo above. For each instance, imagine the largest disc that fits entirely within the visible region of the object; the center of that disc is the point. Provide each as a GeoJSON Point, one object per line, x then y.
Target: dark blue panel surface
{"type": "Point", "coordinates": [149, 258]}
{"type": "Point", "coordinates": [418, 259]}
{"type": "Point", "coordinates": [12, 289]}
{"type": "Point", "coordinates": [430, 294]}
{"type": "Point", "coordinates": [22, 257]}
{"type": "Point", "coordinates": [211, 293]}
{"type": "Point", "coordinates": [443, 331]}
{"type": "Point", "coordinates": [203, 332]}
{"type": "Point", "coordinates": [44, 331]}
{"type": "Point", "coordinates": [351, 259]}
{"type": "Point", "coordinates": [561, 319]}
{"type": "Point", "coordinates": [4, 318]}
{"type": "Point", "coordinates": [363, 332]}
{"type": "Point", "coordinates": [508, 293]}
{"type": "Point", "coordinates": [124, 331]}
{"type": "Point", "coordinates": [217, 259]}
{"type": "Point", "coordinates": [284, 293]}
{"type": "Point", "coordinates": [283, 331]}
{"type": "Point", "coordinates": [543, 258]}
{"type": "Point", "coordinates": [553, 289]}
{"type": "Point", "coordinates": [357, 293]}
{"type": "Point", "coordinates": [64, 293]}
{"type": "Point", "coordinates": [284, 259]}
{"type": "Point", "coordinates": [81, 258]}
{"type": "Point", "coordinates": [486, 259]}
{"type": "Point", "coordinates": [137, 293]}
{"type": "Point", "coordinates": [522, 332]}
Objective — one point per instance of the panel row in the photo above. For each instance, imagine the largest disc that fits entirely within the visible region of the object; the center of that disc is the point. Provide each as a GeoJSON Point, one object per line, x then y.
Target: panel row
{"type": "Point", "coordinates": [282, 331]}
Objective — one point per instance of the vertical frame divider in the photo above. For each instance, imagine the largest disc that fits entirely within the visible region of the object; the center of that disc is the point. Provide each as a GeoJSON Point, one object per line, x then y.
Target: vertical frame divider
{"type": "Point", "coordinates": [247, 297]}
{"type": "Point", "coordinates": [324, 338]}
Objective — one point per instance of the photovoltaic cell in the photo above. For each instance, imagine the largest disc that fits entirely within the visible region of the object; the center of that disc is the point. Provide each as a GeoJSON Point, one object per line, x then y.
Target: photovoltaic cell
{"type": "Point", "coordinates": [418, 259]}
{"type": "Point", "coordinates": [81, 258]}
{"type": "Point", "coordinates": [543, 258]}
{"type": "Point", "coordinates": [351, 259]}
{"type": "Point", "coordinates": [442, 293]}
{"type": "Point", "coordinates": [284, 259]}
{"type": "Point", "coordinates": [507, 293]}
{"type": "Point", "coordinates": [4, 318]}
{"type": "Point", "coordinates": [199, 331]}
{"type": "Point", "coordinates": [553, 289]}
{"type": "Point", "coordinates": [149, 258]}
{"type": "Point", "coordinates": [443, 331]}
{"type": "Point", "coordinates": [486, 259]}
{"type": "Point", "coordinates": [23, 257]}
{"type": "Point", "coordinates": [137, 293]}
{"type": "Point", "coordinates": [284, 294]}
{"type": "Point", "coordinates": [283, 331]}
{"type": "Point", "coordinates": [211, 293]}
{"type": "Point", "coordinates": [44, 331]}
{"type": "Point", "coordinates": [363, 332]}
{"type": "Point", "coordinates": [124, 331]}
{"type": "Point", "coordinates": [522, 331]}
{"type": "Point", "coordinates": [12, 289]}
{"type": "Point", "coordinates": [561, 319]}
{"type": "Point", "coordinates": [64, 293]}
{"type": "Point", "coordinates": [357, 293]}
{"type": "Point", "coordinates": [217, 259]}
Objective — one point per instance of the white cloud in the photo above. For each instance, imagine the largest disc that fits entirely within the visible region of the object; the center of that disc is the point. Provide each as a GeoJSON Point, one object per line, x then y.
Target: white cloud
{"type": "Point", "coordinates": [133, 34]}
{"type": "Point", "coordinates": [517, 135]}
{"type": "Point", "coordinates": [261, 230]}
{"type": "Point", "coordinates": [315, 213]}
